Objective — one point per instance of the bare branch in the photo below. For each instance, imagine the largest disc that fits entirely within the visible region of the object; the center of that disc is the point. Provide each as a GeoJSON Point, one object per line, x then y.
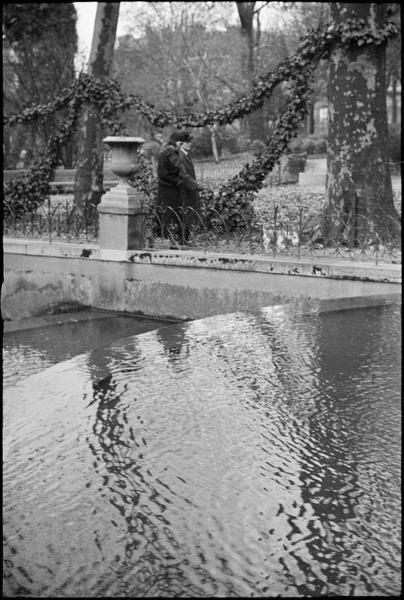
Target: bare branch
{"type": "Point", "coordinates": [259, 8]}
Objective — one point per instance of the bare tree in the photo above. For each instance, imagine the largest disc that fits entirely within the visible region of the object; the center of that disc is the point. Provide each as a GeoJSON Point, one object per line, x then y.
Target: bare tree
{"type": "Point", "coordinates": [179, 59]}
{"type": "Point", "coordinates": [249, 15]}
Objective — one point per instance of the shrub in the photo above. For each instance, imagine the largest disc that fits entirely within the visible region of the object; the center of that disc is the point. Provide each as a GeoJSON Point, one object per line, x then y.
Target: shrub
{"type": "Point", "coordinates": [257, 147]}
{"type": "Point", "coordinates": [312, 144]}
{"type": "Point", "coordinates": [243, 143]}
{"type": "Point", "coordinates": [320, 145]}
{"type": "Point", "coordinates": [296, 145]}
{"type": "Point", "coordinates": [201, 144]}
{"type": "Point", "coordinates": [229, 140]}
{"type": "Point", "coordinates": [308, 145]}
{"type": "Point", "coordinates": [226, 140]}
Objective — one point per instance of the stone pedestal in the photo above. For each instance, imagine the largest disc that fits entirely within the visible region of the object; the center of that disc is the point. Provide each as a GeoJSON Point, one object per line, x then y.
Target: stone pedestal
{"type": "Point", "coordinates": [121, 220]}
{"type": "Point", "coordinates": [120, 212]}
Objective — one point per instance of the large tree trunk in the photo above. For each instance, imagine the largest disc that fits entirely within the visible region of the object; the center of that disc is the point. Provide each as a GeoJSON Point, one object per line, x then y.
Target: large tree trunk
{"type": "Point", "coordinates": [246, 15]}
{"type": "Point", "coordinates": [359, 190]}
{"type": "Point", "coordinates": [394, 107]}
{"type": "Point", "coordinates": [88, 183]}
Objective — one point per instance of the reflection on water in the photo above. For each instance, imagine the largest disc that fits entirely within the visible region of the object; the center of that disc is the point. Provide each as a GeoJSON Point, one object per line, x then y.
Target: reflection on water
{"type": "Point", "coordinates": [30, 350]}
{"type": "Point", "coordinates": [241, 455]}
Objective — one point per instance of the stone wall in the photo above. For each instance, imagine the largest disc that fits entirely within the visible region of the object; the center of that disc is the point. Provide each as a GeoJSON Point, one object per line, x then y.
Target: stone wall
{"type": "Point", "coordinates": [40, 278]}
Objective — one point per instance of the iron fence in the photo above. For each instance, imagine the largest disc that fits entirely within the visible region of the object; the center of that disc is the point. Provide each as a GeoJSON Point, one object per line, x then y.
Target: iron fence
{"type": "Point", "coordinates": [277, 231]}
{"type": "Point", "coordinates": [57, 219]}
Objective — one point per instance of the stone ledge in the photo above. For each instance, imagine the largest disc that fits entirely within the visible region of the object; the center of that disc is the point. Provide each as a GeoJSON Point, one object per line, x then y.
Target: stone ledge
{"type": "Point", "coordinates": [319, 267]}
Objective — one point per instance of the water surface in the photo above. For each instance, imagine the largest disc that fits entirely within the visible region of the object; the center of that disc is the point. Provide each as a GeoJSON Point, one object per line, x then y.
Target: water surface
{"type": "Point", "coordinates": [240, 455]}
{"type": "Point", "coordinates": [31, 345]}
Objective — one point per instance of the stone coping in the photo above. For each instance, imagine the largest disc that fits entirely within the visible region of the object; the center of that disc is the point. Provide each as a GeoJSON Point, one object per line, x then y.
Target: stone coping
{"type": "Point", "coordinates": [303, 307]}
{"type": "Point", "coordinates": [315, 306]}
{"type": "Point", "coordinates": [327, 267]}
{"type": "Point", "coordinates": [75, 314]}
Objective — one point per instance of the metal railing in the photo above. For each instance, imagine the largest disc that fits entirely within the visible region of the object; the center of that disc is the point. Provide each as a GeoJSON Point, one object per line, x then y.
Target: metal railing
{"type": "Point", "coordinates": [57, 219]}
{"type": "Point", "coordinates": [295, 232]}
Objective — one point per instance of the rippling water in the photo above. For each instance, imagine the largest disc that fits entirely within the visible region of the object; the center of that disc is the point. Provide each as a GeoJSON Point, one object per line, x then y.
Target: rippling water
{"type": "Point", "coordinates": [240, 455]}
{"type": "Point", "coordinates": [27, 351]}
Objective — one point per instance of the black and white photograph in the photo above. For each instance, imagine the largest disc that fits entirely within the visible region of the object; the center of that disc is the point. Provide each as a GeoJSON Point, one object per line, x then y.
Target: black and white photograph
{"type": "Point", "coordinates": [201, 299]}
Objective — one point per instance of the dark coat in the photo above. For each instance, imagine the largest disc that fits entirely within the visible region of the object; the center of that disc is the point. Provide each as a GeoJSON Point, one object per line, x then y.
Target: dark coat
{"type": "Point", "coordinates": [168, 177]}
{"type": "Point", "coordinates": [176, 188]}
{"type": "Point", "coordinates": [189, 193]}
{"type": "Point", "coordinates": [189, 188]}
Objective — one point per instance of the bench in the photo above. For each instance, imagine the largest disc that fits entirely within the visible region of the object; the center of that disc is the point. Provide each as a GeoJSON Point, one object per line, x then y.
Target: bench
{"type": "Point", "coordinates": [63, 180]}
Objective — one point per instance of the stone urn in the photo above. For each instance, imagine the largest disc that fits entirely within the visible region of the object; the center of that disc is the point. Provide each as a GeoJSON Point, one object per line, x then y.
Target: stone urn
{"type": "Point", "coordinates": [120, 209]}
{"type": "Point", "coordinates": [124, 155]}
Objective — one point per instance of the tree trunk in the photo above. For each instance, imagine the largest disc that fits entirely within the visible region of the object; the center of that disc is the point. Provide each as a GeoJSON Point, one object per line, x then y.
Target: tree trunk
{"type": "Point", "coordinates": [311, 125]}
{"type": "Point", "coordinates": [213, 141]}
{"type": "Point", "coordinates": [359, 190]}
{"type": "Point", "coordinates": [394, 111]}
{"type": "Point", "coordinates": [245, 10]}
{"type": "Point", "coordinates": [246, 15]}
{"type": "Point", "coordinates": [88, 185]}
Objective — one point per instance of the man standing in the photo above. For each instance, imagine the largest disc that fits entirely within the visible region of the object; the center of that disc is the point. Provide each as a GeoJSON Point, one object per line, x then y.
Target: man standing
{"type": "Point", "coordinates": [168, 187]}
{"type": "Point", "coordinates": [189, 188]}
{"type": "Point", "coordinates": [177, 187]}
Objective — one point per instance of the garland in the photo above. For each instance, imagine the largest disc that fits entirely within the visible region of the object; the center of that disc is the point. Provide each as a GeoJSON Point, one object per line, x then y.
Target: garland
{"type": "Point", "coordinates": [105, 94]}
{"type": "Point", "coordinates": [108, 98]}
{"type": "Point", "coordinates": [315, 45]}
{"type": "Point", "coordinates": [238, 193]}
{"type": "Point", "coordinates": [26, 193]}
{"type": "Point", "coordinates": [235, 197]}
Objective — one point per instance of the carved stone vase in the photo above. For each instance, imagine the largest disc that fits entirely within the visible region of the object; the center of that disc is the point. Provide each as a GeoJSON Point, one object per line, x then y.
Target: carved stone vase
{"type": "Point", "coordinates": [120, 210]}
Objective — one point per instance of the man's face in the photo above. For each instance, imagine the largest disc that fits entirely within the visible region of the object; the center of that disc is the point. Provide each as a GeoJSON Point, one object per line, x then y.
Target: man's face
{"type": "Point", "coordinates": [186, 146]}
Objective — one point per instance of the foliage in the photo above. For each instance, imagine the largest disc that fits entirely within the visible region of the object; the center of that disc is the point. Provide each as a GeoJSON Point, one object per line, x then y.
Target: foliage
{"type": "Point", "coordinates": [178, 61]}
{"type": "Point", "coordinates": [229, 140]}
{"type": "Point", "coordinates": [237, 193]}
{"type": "Point", "coordinates": [257, 147]}
{"type": "Point", "coordinates": [286, 220]}
{"type": "Point", "coordinates": [317, 44]}
{"type": "Point", "coordinates": [243, 143]}
{"type": "Point", "coordinates": [145, 182]}
{"type": "Point", "coordinates": [36, 66]}
{"type": "Point", "coordinates": [201, 143]}
{"type": "Point", "coordinates": [26, 194]}
{"type": "Point", "coordinates": [312, 144]}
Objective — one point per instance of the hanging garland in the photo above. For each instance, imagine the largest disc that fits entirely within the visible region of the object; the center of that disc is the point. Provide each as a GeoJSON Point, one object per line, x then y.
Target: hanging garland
{"type": "Point", "coordinates": [27, 193]}
{"type": "Point", "coordinates": [315, 45]}
{"type": "Point", "coordinates": [110, 101]}
{"type": "Point", "coordinates": [235, 197]}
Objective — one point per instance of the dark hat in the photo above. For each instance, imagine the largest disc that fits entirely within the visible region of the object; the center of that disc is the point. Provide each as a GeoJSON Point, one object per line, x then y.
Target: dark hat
{"type": "Point", "coordinates": [180, 136]}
